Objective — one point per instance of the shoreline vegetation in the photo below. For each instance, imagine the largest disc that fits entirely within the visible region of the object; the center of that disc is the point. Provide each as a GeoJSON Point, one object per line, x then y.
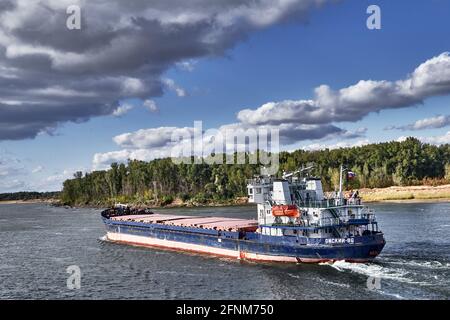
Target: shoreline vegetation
{"type": "Point", "coordinates": [30, 197]}
{"type": "Point", "coordinates": [199, 182]}
{"type": "Point", "coordinates": [405, 194]}
{"type": "Point", "coordinates": [390, 171]}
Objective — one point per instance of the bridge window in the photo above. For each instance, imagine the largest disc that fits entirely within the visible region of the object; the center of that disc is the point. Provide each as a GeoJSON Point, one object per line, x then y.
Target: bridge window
{"type": "Point", "coordinates": [258, 190]}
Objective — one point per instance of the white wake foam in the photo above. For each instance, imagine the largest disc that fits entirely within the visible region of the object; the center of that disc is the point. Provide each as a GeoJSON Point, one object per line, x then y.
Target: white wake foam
{"type": "Point", "coordinates": [421, 264]}
{"type": "Point", "coordinates": [372, 270]}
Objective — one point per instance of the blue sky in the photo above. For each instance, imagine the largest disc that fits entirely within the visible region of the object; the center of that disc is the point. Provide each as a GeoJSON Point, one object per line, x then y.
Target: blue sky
{"type": "Point", "coordinates": [284, 61]}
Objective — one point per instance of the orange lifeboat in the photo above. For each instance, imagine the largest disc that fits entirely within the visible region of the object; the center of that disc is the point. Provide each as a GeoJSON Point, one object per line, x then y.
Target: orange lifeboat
{"type": "Point", "coordinates": [285, 211]}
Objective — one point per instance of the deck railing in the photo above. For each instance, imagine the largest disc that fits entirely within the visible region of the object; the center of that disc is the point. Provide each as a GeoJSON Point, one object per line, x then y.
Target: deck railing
{"type": "Point", "coordinates": [328, 203]}
{"type": "Point", "coordinates": [330, 221]}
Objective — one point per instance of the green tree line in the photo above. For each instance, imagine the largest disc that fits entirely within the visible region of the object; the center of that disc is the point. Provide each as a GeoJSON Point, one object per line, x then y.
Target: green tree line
{"type": "Point", "coordinates": [161, 181]}
{"type": "Point", "coordinates": [15, 196]}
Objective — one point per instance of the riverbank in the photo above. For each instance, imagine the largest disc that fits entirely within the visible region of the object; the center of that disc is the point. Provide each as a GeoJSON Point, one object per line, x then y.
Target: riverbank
{"type": "Point", "coordinates": [390, 194]}
{"type": "Point", "coordinates": [406, 194]}
{"type": "Point", "coordinates": [31, 201]}
{"type": "Point", "coordinates": [176, 203]}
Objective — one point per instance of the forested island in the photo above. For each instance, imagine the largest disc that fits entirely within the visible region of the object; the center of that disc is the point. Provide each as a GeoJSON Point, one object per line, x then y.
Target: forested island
{"type": "Point", "coordinates": [161, 182]}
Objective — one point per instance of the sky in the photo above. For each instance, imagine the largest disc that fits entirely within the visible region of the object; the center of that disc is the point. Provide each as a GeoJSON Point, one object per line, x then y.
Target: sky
{"type": "Point", "coordinates": [137, 72]}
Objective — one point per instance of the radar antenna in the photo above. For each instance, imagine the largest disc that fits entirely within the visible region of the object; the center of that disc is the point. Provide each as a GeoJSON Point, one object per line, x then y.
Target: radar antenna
{"type": "Point", "coordinates": [301, 170]}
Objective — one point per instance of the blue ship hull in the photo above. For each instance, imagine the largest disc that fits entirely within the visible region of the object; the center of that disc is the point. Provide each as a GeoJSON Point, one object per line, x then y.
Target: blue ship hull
{"type": "Point", "coordinates": [246, 245]}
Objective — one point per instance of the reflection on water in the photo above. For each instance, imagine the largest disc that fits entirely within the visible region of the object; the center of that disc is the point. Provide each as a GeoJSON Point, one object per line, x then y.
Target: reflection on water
{"type": "Point", "coordinates": [39, 242]}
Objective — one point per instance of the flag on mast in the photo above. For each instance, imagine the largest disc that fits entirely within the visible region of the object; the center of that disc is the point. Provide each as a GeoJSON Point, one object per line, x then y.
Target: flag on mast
{"type": "Point", "coordinates": [350, 175]}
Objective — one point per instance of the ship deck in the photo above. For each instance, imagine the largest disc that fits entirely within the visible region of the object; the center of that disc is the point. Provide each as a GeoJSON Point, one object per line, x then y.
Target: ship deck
{"type": "Point", "coordinates": [213, 223]}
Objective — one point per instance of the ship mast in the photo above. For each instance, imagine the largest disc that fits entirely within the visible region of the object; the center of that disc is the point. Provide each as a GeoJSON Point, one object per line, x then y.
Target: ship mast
{"type": "Point", "coordinates": [341, 180]}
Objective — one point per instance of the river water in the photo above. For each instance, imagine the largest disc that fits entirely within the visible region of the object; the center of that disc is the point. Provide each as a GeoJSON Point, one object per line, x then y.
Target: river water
{"type": "Point", "coordinates": [38, 243]}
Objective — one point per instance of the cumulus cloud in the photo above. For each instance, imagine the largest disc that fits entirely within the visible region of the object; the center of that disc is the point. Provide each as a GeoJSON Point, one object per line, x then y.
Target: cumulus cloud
{"type": "Point", "coordinates": [150, 105]}
{"type": "Point", "coordinates": [14, 172]}
{"type": "Point", "coordinates": [59, 177]}
{"type": "Point", "coordinates": [51, 75]}
{"type": "Point", "coordinates": [53, 182]}
{"type": "Point", "coordinates": [337, 145]}
{"type": "Point", "coordinates": [307, 119]}
{"type": "Point", "coordinates": [122, 110]}
{"type": "Point", "coordinates": [21, 174]}
{"type": "Point", "coordinates": [437, 140]}
{"type": "Point", "coordinates": [151, 138]}
{"type": "Point", "coordinates": [37, 169]}
{"type": "Point", "coordinates": [162, 142]}
{"type": "Point", "coordinates": [289, 133]}
{"type": "Point", "coordinates": [12, 185]}
{"type": "Point", "coordinates": [125, 107]}
{"type": "Point", "coordinates": [10, 165]}
{"type": "Point", "coordinates": [147, 144]}
{"type": "Point", "coordinates": [104, 160]}
{"type": "Point", "coordinates": [353, 103]}
{"type": "Point", "coordinates": [187, 65]}
{"type": "Point", "coordinates": [172, 86]}
{"type": "Point", "coordinates": [436, 122]}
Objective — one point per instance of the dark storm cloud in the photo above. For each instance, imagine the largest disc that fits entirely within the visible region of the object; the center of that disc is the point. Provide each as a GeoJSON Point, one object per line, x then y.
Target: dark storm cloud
{"type": "Point", "coordinates": [50, 74]}
{"type": "Point", "coordinates": [291, 133]}
{"type": "Point", "coordinates": [6, 5]}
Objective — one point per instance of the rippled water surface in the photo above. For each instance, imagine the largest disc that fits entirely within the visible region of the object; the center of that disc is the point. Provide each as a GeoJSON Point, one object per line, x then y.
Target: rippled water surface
{"type": "Point", "coordinates": [38, 243]}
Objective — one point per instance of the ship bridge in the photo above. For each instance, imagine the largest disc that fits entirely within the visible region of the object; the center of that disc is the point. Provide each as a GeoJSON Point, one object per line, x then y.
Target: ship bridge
{"type": "Point", "coordinates": [300, 202]}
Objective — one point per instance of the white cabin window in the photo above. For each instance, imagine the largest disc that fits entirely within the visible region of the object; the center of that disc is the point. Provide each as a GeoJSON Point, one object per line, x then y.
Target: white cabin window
{"type": "Point", "coordinates": [258, 190]}
{"type": "Point", "coordinates": [250, 191]}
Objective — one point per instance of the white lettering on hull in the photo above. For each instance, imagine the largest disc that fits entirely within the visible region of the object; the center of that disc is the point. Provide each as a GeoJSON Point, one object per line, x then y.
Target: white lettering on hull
{"type": "Point", "coordinates": [340, 240]}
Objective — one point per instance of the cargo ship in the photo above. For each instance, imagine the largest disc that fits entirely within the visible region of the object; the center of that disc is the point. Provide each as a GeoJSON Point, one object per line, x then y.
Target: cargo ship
{"type": "Point", "coordinates": [296, 222]}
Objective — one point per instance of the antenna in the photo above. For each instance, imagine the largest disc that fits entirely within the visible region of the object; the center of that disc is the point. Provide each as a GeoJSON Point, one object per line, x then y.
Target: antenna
{"type": "Point", "coordinates": [341, 179]}
{"type": "Point", "coordinates": [300, 170]}
{"type": "Point", "coordinates": [307, 168]}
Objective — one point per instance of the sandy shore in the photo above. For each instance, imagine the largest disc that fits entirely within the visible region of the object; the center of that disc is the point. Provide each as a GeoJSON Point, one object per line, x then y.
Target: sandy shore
{"type": "Point", "coordinates": [407, 194]}
{"type": "Point", "coordinates": [28, 201]}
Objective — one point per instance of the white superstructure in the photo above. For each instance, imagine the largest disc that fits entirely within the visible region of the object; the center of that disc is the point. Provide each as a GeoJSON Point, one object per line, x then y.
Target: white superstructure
{"type": "Point", "coordinates": [295, 200]}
